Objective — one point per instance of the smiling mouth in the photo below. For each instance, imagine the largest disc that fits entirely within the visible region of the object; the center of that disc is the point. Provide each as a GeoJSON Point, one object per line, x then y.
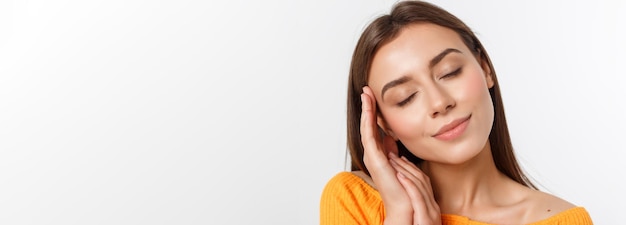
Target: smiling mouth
{"type": "Point", "coordinates": [453, 129]}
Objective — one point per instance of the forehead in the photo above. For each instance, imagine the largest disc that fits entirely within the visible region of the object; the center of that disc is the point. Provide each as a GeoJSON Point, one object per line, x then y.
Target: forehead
{"type": "Point", "coordinates": [412, 49]}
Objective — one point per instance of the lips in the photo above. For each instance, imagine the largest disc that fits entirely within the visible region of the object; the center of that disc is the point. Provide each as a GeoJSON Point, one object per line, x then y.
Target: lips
{"type": "Point", "coordinates": [453, 129]}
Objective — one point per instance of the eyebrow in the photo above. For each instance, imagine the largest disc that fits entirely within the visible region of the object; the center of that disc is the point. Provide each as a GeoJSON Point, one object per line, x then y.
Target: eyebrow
{"type": "Point", "coordinates": [404, 79]}
{"type": "Point", "coordinates": [441, 55]}
{"type": "Point", "coordinates": [393, 83]}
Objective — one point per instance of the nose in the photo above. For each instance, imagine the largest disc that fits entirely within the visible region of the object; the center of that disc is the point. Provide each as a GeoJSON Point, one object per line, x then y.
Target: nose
{"type": "Point", "coordinates": [440, 101]}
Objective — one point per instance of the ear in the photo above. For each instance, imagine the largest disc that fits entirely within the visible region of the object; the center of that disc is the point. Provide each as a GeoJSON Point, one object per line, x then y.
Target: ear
{"type": "Point", "coordinates": [488, 73]}
{"type": "Point", "coordinates": [383, 125]}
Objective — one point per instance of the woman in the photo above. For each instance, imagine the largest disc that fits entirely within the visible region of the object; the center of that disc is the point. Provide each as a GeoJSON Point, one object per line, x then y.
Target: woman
{"type": "Point", "coordinates": [427, 133]}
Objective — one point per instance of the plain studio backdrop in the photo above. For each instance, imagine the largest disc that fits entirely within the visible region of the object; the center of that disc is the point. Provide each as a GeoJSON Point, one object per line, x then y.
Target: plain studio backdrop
{"type": "Point", "coordinates": [233, 112]}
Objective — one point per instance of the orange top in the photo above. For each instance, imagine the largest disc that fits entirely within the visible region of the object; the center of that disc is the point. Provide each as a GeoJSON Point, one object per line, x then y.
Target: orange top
{"type": "Point", "coordinates": [348, 199]}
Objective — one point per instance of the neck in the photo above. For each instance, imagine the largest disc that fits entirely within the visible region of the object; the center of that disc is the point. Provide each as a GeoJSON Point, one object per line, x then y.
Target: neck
{"type": "Point", "coordinates": [475, 184]}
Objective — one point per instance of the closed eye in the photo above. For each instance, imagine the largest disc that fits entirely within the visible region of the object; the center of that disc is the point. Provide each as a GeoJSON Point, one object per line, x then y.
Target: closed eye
{"type": "Point", "coordinates": [453, 73]}
{"type": "Point", "coordinates": [407, 100]}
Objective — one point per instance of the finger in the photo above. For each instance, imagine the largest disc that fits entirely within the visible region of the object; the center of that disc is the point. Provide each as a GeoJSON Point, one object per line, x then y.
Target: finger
{"type": "Point", "coordinates": [368, 118]}
{"type": "Point", "coordinates": [418, 173]}
{"type": "Point", "coordinates": [366, 131]}
{"type": "Point", "coordinates": [424, 213]}
{"type": "Point", "coordinates": [409, 166]}
{"type": "Point", "coordinates": [413, 170]}
{"type": "Point", "coordinates": [368, 91]}
{"type": "Point", "coordinates": [414, 173]}
{"type": "Point", "coordinates": [421, 181]}
{"type": "Point", "coordinates": [417, 199]}
{"type": "Point", "coordinates": [373, 153]}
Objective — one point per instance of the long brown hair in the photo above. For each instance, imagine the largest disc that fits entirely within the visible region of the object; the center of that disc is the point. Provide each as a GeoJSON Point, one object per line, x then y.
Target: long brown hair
{"type": "Point", "coordinates": [384, 29]}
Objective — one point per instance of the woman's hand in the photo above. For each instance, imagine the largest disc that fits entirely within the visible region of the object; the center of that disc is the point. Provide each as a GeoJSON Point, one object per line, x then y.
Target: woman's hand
{"type": "Point", "coordinates": [419, 189]}
{"type": "Point", "coordinates": [407, 198]}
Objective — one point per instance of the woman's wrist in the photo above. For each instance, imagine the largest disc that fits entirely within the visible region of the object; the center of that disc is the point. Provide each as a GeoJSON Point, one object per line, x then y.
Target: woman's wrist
{"type": "Point", "coordinates": [399, 218]}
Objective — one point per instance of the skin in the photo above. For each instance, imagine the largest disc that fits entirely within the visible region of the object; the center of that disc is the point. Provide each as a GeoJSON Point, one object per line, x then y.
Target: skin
{"type": "Point", "coordinates": [458, 176]}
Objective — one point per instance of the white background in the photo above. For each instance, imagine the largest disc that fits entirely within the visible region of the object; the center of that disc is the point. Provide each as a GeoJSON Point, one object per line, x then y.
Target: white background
{"type": "Point", "coordinates": [233, 112]}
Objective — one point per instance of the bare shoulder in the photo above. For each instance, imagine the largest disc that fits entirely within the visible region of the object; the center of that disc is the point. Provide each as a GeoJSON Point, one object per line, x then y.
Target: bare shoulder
{"type": "Point", "coordinates": [529, 206]}
{"type": "Point", "coordinates": [546, 205]}
{"type": "Point", "coordinates": [364, 177]}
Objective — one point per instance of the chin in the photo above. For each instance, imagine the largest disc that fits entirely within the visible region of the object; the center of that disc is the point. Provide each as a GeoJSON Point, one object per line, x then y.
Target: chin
{"type": "Point", "coordinates": [449, 153]}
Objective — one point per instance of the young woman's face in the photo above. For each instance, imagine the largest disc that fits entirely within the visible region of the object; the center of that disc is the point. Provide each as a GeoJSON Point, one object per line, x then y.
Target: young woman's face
{"type": "Point", "coordinates": [433, 94]}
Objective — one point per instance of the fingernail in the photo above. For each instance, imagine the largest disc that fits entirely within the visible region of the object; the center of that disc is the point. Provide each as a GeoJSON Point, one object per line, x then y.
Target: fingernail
{"type": "Point", "coordinates": [401, 175]}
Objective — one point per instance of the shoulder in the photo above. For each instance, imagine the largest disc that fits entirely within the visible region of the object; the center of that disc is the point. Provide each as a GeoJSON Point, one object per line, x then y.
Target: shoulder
{"type": "Point", "coordinates": [548, 203]}
{"type": "Point", "coordinates": [344, 183]}
{"type": "Point", "coordinates": [348, 199]}
{"type": "Point", "coordinates": [366, 178]}
{"type": "Point", "coordinates": [548, 209]}
{"type": "Point", "coordinates": [577, 215]}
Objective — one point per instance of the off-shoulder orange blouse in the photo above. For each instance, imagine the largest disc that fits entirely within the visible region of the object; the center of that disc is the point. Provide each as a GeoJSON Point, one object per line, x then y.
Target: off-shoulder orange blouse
{"type": "Point", "coordinates": [347, 199]}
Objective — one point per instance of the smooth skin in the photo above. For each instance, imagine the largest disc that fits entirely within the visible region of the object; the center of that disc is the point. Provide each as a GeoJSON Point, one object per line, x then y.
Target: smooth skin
{"type": "Point", "coordinates": [458, 176]}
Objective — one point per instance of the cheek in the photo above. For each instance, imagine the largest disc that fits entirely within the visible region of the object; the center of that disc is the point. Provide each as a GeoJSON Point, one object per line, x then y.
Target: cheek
{"type": "Point", "coordinates": [407, 124]}
{"type": "Point", "coordinates": [475, 97]}
{"type": "Point", "coordinates": [473, 89]}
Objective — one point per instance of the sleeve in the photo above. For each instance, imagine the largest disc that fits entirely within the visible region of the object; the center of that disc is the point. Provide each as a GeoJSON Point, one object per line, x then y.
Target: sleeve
{"type": "Point", "coordinates": [343, 202]}
{"type": "Point", "coordinates": [578, 216]}
{"type": "Point", "coordinates": [573, 216]}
